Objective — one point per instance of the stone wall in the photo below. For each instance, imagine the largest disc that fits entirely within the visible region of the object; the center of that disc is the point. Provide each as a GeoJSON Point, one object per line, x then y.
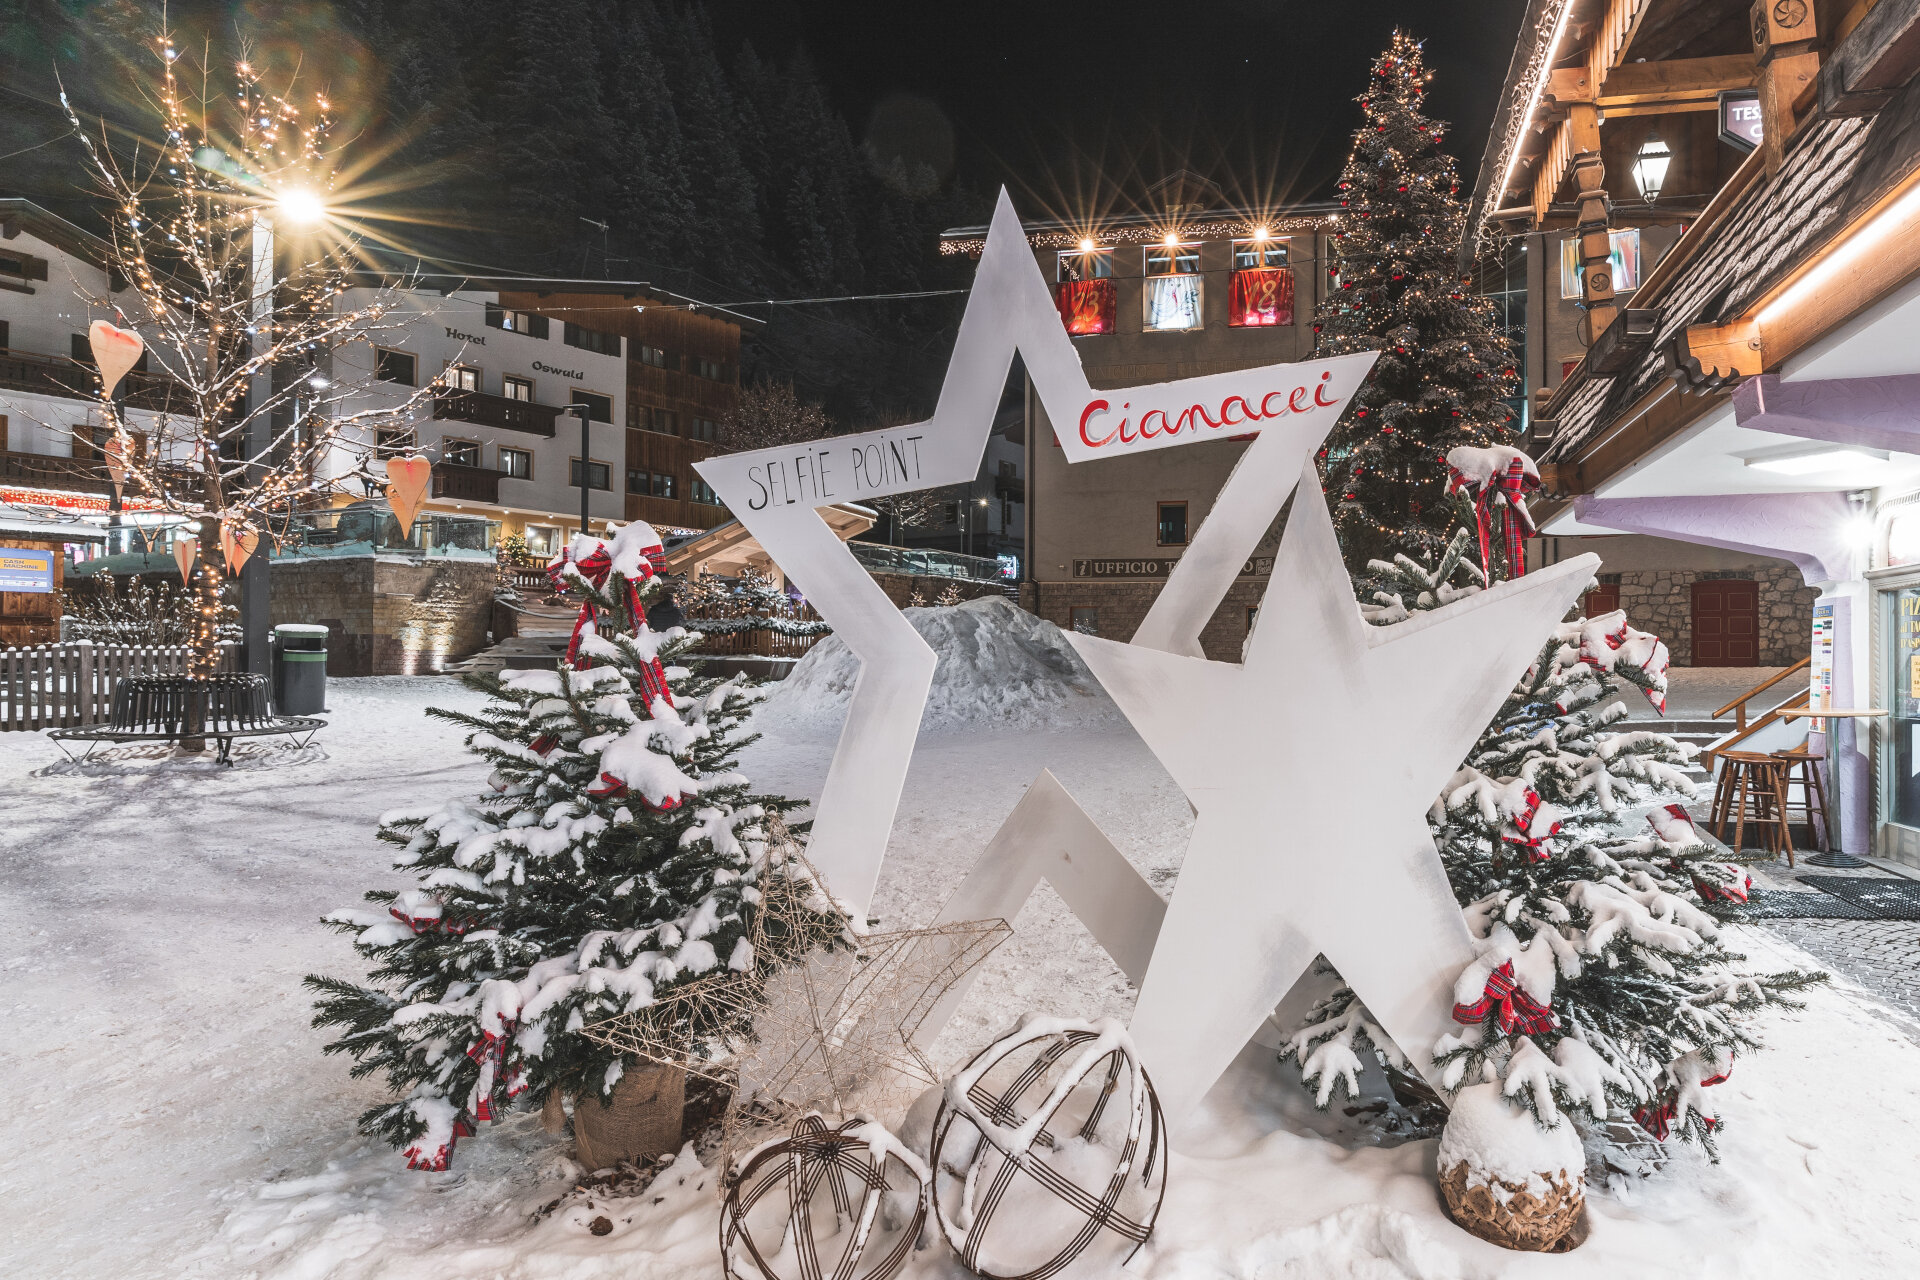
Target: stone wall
{"type": "Point", "coordinates": [1661, 601]}
{"type": "Point", "coordinates": [1120, 607]}
{"type": "Point", "coordinates": [387, 615]}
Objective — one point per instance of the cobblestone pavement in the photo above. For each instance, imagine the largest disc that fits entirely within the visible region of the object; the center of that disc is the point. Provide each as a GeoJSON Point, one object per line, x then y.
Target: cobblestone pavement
{"type": "Point", "coordinates": [1881, 955]}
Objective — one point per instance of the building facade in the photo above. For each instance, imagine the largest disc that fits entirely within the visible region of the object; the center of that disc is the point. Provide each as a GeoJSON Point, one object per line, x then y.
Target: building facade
{"type": "Point", "coordinates": [1197, 287]}
{"type": "Point", "coordinates": [1757, 394]}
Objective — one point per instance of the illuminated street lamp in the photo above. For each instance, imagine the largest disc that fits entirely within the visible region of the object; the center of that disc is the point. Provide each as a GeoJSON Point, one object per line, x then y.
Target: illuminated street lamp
{"type": "Point", "coordinates": [1650, 168]}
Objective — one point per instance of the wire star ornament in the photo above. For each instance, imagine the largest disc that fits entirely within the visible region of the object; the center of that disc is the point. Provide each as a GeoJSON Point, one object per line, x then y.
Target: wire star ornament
{"type": "Point", "coordinates": [836, 1025]}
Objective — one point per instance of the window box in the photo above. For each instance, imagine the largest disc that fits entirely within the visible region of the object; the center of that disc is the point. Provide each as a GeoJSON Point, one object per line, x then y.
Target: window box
{"type": "Point", "coordinates": [1086, 306]}
{"type": "Point", "coordinates": [1261, 296]}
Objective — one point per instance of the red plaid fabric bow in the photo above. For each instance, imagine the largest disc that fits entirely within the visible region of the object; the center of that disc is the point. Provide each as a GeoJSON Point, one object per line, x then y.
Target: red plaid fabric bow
{"type": "Point", "coordinates": [438, 1160]}
{"type": "Point", "coordinates": [1517, 1010]}
{"type": "Point", "coordinates": [1523, 835]}
{"type": "Point", "coordinates": [453, 925]}
{"type": "Point", "coordinates": [1734, 888]}
{"type": "Point", "coordinates": [1509, 489]}
{"type": "Point", "coordinates": [490, 1051]}
{"type": "Point", "coordinates": [594, 567]}
{"type": "Point", "coordinates": [1657, 1117]}
{"type": "Point", "coordinates": [612, 788]}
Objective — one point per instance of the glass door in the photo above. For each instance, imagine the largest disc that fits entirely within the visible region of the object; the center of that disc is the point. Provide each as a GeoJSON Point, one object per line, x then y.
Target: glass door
{"type": "Point", "coordinates": [1903, 681]}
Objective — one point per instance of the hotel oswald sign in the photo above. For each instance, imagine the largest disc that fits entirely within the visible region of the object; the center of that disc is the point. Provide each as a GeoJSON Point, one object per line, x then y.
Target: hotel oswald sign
{"type": "Point", "coordinates": [1154, 568]}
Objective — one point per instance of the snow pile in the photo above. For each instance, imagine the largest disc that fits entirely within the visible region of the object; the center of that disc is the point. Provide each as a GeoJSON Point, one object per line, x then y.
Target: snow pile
{"type": "Point", "coordinates": [999, 666]}
{"type": "Point", "coordinates": [1496, 1139]}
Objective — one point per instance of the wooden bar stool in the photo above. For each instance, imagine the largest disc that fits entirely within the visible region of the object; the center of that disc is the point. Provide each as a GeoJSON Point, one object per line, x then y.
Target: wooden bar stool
{"type": "Point", "coordinates": [1753, 785]}
{"type": "Point", "coordinates": [1812, 793]}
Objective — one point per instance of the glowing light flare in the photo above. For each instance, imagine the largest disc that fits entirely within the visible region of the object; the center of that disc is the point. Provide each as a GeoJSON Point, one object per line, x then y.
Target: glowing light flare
{"type": "Point", "coordinates": [1541, 75]}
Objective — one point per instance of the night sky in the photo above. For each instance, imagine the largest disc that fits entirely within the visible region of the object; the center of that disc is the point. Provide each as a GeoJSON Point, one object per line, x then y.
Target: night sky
{"type": "Point", "coordinates": [1061, 99]}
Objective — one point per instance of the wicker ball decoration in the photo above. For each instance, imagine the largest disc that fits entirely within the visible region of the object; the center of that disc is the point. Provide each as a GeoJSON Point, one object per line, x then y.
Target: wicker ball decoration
{"type": "Point", "coordinates": [1049, 1149]}
{"type": "Point", "coordinates": [824, 1193]}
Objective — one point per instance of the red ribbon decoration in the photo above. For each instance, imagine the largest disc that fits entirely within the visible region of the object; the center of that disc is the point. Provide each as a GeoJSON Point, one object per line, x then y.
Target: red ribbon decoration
{"type": "Point", "coordinates": [1523, 834]}
{"type": "Point", "coordinates": [439, 1161]}
{"type": "Point", "coordinates": [594, 568]}
{"type": "Point", "coordinates": [1517, 1010]}
{"type": "Point", "coordinates": [611, 788]}
{"type": "Point", "coordinates": [491, 1053]}
{"type": "Point", "coordinates": [1516, 525]}
{"type": "Point", "coordinates": [1657, 1118]}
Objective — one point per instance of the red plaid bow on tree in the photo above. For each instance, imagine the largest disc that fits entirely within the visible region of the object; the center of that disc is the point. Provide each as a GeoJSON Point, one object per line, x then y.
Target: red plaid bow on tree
{"type": "Point", "coordinates": [1507, 488]}
{"type": "Point", "coordinates": [438, 1160]}
{"type": "Point", "coordinates": [1521, 833]}
{"type": "Point", "coordinates": [490, 1051]}
{"type": "Point", "coordinates": [1657, 1117]}
{"type": "Point", "coordinates": [595, 568]}
{"type": "Point", "coordinates": [1518, 1011]}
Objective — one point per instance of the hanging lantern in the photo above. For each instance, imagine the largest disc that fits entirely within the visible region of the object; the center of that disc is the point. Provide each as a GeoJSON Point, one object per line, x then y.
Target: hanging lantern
{"type": "Point", "coordinates": [1650, 168]}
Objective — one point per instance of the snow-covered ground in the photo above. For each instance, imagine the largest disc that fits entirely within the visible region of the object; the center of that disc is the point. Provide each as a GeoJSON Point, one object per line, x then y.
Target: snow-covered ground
{"type": "Point", "coordinates": [170, 1113]}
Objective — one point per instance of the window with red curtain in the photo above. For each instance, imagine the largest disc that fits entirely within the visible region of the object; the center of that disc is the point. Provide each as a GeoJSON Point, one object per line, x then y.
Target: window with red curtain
{"type": "Point", "coordinates": [1086, 306]}
{"type": "Point", "coordinates": [1261, 296]}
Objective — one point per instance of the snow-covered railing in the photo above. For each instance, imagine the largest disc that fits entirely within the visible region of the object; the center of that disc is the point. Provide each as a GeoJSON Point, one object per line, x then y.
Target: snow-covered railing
{"type": "Point", "coordinates": [59, 686]}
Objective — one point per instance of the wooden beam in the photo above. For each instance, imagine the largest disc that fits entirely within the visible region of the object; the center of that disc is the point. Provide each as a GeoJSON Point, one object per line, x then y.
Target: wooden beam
{"type": "Point", "coordinates": [1629, 110]}
{"type": "Point", "coordinates": [1618, 25]}
{"type": "Point", "coordinates": [1675, 80]}
{"type": "Point", "coordinates": [1657, 417]}
{"type": "Point", "coordinates": [1725, 350]}
{"type": "Point", "coordinates": [1872, 59]}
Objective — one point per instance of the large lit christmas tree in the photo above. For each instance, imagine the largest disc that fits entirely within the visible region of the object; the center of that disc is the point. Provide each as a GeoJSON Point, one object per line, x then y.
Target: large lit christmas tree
{"type": "Point", "coordinates": [1394, 287]}
{"type": "Point", "coordinates": [1604, 984]}
{"type": "Point", "coordinates": [615, 856]}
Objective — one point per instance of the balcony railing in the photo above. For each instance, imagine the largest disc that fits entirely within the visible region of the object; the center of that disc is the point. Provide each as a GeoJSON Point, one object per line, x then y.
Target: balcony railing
{"type": "Point", "coordinates": [485, 410]}
{"type": "Point", "coordinates": [878, 558]}
{"type": "Point", "coordinates": [465, 484]}
{"type": "Point", "coordinates": [43, 471]}
{"type": "Point", "coordinates": [367, 528]}
{"type": "Point", "coordinates": [71, 380]}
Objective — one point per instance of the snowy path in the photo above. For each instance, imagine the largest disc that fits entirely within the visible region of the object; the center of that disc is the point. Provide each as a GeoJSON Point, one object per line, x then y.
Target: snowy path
{"type": "Point", "coordinates": [171, 1114]}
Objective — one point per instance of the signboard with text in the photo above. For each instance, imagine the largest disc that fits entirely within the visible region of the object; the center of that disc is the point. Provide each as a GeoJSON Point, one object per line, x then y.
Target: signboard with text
{"type": "Point", "coordinates": [25, 570]}
{"type": "Point", "coordinates": [1157, 568]}
{"type": "Point", "coordinates": [1741, 123]}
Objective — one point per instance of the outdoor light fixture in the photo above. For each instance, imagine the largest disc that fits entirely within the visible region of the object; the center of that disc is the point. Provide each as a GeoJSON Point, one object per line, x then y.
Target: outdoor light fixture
{"type": "Point", "coordinates": [1086, 246]}
{"type": "Point", "coordinates": [1650, 167]}
{"type": "Point", "coordinates": [1172, 240]}
{"type": "Point", "coordinates": [1804, 459]}
{"type": "Point", "coordinates": [301, 206]}
{"type": "Point", "coordinates": [1260, 233]}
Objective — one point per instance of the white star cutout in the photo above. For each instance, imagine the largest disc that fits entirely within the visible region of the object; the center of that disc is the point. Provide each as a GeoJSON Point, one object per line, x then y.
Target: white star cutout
{"type": "Point", "coordinates": [775, 493]}
{"type": "Point", "coordinates": [1311, 769]}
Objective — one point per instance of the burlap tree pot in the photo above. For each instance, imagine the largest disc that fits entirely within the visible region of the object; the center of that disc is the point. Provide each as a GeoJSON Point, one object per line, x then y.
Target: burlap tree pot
{"type": "Point", "coordinates": [642, 1120]}
{"type": "Point", "coordinates": [1507, 1180]}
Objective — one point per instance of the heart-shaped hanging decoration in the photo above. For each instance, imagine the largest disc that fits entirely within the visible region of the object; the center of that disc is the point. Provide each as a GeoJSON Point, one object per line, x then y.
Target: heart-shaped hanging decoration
{"type": "Point", "coordinates": [185, 551]}
{"type": "Point", "coordinates": [237, 545]}
{"type": "Point", "coordinates": [407, 481]}
{"type": "Point", "coordinates": [115, 350]}
{"type": "Point", "coordinates": [118, 448]}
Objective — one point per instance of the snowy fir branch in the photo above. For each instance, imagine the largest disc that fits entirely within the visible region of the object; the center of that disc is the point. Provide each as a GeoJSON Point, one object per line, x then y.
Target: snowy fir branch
{"type": "Point", "coordinates": [615, 855]}
{"type": "Point", "coordinates": [1603, 982]}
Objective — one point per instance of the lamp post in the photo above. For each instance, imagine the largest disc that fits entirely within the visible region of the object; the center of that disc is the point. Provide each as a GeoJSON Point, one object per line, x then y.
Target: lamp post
{"type": "Point", "coordinates": [301, 208]}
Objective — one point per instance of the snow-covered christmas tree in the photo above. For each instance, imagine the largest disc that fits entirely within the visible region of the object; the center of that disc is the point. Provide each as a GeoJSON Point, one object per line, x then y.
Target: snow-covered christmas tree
{"type": "Point", "coordinates": [615, 855]}
{"type": "Point", "coordinates": [1394, 287]}
{"type": "Point", "coordinates": [1603, 984]}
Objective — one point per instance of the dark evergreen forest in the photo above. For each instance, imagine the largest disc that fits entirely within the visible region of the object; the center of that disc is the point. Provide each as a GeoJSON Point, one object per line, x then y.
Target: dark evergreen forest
{"type": "Point", "coordinates": [500, 133]}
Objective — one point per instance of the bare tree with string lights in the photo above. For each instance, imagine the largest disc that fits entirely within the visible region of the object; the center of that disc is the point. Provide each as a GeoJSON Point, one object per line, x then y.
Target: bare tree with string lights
{"type": "Point", "coordinates": [254, 430]}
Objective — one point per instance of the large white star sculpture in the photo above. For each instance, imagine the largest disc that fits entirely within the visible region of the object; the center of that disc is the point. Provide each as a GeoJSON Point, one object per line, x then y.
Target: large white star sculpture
{"type": "Point", "coordinates": [776, 492]}
{"type": "Point", "coordinates": [1311, 769]}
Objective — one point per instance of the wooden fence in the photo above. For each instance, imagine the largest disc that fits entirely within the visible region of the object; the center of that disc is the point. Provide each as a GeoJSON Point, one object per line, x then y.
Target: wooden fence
{"type": "Point", "coordinates": [765, 643]}
{"type": "Point", "coordinates": [56, 686]}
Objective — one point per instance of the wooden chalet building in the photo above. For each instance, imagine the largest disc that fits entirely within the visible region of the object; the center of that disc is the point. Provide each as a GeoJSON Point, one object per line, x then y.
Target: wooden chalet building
{"type": "Point", "coordinates": [1731, 407]}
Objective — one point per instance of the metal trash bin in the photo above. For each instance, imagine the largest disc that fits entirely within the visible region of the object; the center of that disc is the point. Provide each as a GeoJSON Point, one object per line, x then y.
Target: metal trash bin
{"type": "Point", "coordinates": [300, 669]}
